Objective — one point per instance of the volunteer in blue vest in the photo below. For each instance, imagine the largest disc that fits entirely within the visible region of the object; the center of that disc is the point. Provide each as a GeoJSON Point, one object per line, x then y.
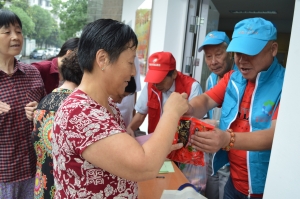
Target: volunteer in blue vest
{"type": "Point", "coordinates": [163, 79]}
{"type": "Point", "coordinates": [218, 62]}
{"type": "Point", "coordinates": [249, 99]}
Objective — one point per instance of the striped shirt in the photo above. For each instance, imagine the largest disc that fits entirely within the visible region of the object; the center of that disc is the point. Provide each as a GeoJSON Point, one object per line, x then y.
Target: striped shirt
{"type": "Point", "coordinates": [17, 156]}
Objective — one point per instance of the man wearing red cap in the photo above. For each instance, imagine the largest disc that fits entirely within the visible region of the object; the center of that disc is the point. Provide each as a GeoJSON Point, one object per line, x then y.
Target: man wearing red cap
{"type": "Point", "coordinates": [163, 79]}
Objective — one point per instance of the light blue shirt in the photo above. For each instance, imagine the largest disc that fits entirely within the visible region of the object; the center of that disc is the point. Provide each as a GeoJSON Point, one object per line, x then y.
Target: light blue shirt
{"type": "Point", "coordinates": [141, 104]}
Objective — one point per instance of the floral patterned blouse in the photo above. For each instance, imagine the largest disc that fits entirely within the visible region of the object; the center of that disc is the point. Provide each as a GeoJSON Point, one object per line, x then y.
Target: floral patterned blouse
{"type": "Point", "coordinates": [43, 122]}
{"type": "Point", "coordinates": [80, 122]}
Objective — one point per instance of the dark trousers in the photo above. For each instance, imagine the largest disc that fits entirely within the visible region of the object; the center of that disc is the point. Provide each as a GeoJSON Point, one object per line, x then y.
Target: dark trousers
{"type": "Point", "coordinates": [231, 193]}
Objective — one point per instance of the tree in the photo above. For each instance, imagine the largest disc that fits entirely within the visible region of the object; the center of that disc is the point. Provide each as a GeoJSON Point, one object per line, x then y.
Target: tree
{"type": "Point", "coordinates": [2, 2]}
{"type": "Point", "coordinates": [43, 24]}
{"type": "Point", "coordinates": [54, 38]}
{"type": "Point", "coordinates": [21, 4]}
{"type": "Point", "coordinates": [27, 24]}
{"type": "Point", "coordinates": [73, 16]}
{"type": "Point", "coordinates": [37, 22]}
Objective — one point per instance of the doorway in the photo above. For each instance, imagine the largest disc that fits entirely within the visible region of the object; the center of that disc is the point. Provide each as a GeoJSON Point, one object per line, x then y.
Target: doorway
{"type": "Point", "coordinates": [203, 17]}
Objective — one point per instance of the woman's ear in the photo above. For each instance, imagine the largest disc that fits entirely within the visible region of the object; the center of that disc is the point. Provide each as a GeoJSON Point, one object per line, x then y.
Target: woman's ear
{"type": "Point", "coordinates": [101, 59]}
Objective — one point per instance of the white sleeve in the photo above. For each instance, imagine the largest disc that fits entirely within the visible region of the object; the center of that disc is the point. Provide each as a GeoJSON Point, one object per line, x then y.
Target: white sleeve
{"type": "Point", "coordinates": [126, 107]}
{"type": "Point", "coordinates": [195, 90]}
{"type": "Point", "coordinates": [141, 104]}
{"type": "Point", "coordinates": [137, 75]}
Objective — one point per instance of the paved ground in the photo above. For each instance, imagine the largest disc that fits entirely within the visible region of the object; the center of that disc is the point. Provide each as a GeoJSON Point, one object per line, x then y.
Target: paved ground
{"type": "Point", "coordinates": [28, 61]}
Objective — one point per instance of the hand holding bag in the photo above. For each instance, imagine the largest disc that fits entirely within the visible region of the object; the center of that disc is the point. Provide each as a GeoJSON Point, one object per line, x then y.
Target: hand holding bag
{"type": "Point", "coordinates": [187, 126]}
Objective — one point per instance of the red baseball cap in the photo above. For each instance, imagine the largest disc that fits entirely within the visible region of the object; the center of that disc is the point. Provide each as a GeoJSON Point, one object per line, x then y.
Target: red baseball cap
{"type": "Point", "coordinates": [159, 64]}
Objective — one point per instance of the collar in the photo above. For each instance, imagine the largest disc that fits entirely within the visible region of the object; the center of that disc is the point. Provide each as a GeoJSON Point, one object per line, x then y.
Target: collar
{"type": "Point", "coordinates": [172, 89]}
{"type": "Point", "coordinates": [19, 66]}
{"type": "Point", "coordinates": [54, 66]}
{"type": "Point", "coordinates": [267, 74]}
{"type": "Point", "coordinates": [62, 90]}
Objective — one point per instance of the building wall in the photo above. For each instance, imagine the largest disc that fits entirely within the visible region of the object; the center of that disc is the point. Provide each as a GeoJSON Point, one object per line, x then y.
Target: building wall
{"type": "Point", "coordinates": [109, 9]}
{"type": "Point", "coordinates": [94, 10]}
{"type": "Point", "coordinates": [112, 9]}
{"type": "Point", "coordinates": [129, 10]}
{"type": "Point", "coordinates": [168, 25]}
{"type": "Point", "coordinates": [46, 4]}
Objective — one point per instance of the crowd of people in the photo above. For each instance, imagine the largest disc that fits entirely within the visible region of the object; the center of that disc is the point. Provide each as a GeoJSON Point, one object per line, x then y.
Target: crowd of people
{"type": "Point", "coordinates": [66, 131]}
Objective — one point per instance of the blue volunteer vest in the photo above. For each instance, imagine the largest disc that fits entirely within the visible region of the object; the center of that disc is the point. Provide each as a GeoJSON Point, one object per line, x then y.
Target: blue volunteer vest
{"type": "Point", "coordinates": [211, 81]}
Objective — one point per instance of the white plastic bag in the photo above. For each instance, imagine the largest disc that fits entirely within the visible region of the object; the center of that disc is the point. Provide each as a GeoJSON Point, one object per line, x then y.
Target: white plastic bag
{"type": "Point", "coordinates": [185, 191]}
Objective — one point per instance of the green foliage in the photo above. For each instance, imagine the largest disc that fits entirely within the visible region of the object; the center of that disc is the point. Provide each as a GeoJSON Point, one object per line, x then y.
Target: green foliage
{"type": "Point", "coordinates": [2, 2]}
{"type": "Point", "coordinates": [73, 16]}
{"type": "Point", "coordinates": [54, 38]}
{"type": "Point", "coordinates": [38, 23]}
{"type": "Point", "coordinates": [43, 24]}
{"type": "Point", "coordinates": [56, 6]}
{"type": "Point", "coordinates": [21, 4]}
{"type": "Point", "coordinates": [27, 24]}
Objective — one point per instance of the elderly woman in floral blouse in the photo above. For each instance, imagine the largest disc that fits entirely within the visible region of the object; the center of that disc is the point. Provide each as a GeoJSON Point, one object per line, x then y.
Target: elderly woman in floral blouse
{"type": "Point", "coordinates": [93, 155]}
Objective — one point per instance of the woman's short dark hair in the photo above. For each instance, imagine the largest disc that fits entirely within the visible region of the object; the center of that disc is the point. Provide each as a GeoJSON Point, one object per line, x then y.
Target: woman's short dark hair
{"type": "Point", "coordinates": [8, 17]}
{"type": "Point", "coordinates": [110, 35]}
{"type": "Point", "coordinates": [70, 69]}
{"type": "Point", "coordinates": [70, 44]}
{"type": "Point", "coordinates": [131, 87]}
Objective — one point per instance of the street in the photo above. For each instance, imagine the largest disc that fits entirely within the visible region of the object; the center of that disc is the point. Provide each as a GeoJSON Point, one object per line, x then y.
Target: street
{"type": "Point", "coordinates": [29, 61]}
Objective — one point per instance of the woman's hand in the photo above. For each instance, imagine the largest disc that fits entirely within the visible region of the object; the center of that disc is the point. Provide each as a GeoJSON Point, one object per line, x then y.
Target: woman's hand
{"type": "Point", "coordinates": [177, 103]}
{"type": "Point", "coordinates": [4, 108]}
{"type": "Point", "coordinates": [29, 109]}
{"type": "Point", "coordinates": [176, 147]}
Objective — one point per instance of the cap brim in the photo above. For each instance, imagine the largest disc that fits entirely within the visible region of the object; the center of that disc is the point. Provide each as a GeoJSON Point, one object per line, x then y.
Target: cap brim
{"type": "Point", "coordinates": [246, 45]}
{"type": "Point", "coordinates": [155, 76]}
{"type": "Point", "coordinates": [210, 42]}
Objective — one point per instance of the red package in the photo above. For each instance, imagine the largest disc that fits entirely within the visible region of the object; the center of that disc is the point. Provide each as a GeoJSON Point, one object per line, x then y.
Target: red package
{"type": "Point", "coordinates": [187, 154]}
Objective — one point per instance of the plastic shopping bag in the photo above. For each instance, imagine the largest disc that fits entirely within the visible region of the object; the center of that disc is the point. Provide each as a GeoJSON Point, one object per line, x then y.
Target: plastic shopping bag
{"type": "Point", "coordinates": [188, 154]}
{"type": "Point", "coordinates": [185, 191]}
{"type": "Point", "coordinates": [196, 175]}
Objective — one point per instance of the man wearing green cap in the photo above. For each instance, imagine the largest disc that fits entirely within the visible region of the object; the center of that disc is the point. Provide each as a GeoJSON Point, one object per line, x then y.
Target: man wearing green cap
{"type": "Point", "coordinates": [250, 100]}
{"type": "Point", "coordinates": [218, 62]}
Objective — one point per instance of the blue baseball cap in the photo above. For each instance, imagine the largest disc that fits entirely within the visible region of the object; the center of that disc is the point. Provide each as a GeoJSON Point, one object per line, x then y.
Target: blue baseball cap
{"type": "Point", "coordinates": [250, 36]}
{"type": "Point", "coordinates": [214, 38]}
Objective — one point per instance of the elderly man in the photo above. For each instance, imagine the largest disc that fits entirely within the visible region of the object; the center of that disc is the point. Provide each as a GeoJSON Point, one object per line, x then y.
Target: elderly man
{"type": "Point", "coordinates": [163, 79]}
{"type": "Point", "coordinates": [219, 62]}
{"type": "Point", "coordinates": [249, 99]}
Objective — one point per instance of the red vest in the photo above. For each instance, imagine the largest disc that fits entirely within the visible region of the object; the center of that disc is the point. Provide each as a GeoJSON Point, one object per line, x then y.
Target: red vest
{"type": "Point", "coordinates": [183, 83]}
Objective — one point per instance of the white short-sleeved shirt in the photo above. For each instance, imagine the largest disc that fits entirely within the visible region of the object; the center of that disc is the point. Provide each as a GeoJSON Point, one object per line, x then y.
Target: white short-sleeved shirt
{"type": "Point", "coordinates": [127, 105]}
{"type": "Point", "coordinates": [141, 104]}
